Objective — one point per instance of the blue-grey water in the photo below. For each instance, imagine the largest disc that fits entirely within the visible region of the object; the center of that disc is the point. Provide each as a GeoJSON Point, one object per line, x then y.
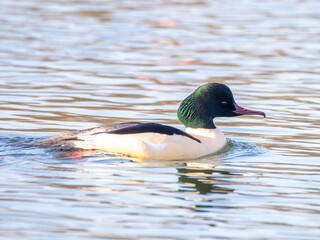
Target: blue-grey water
{"type": "Point", "coordinates": [67, 65]}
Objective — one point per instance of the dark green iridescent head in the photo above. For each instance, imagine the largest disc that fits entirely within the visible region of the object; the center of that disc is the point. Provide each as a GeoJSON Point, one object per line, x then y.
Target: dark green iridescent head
{"type": "Point", "coordinates": [207, 102]}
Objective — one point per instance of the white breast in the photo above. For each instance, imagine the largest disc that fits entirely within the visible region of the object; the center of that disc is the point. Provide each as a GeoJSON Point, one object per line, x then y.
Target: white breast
{"type": "Point", "coordinates": [212, 140]}
{"type": "Point", "coordinates": [157, 146]}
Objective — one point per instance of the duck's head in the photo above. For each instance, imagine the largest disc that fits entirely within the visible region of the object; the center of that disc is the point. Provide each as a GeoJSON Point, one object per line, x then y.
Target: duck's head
{"type": "Point", "coordinates": [207, 102]}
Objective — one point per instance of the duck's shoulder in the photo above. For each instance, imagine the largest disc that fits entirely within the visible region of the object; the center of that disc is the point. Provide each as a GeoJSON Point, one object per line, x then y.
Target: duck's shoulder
{"type": "Point", "coordinates": [136, 127]}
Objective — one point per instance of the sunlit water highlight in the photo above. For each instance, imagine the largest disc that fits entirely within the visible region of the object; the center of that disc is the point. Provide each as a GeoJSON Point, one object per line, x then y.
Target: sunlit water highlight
{"type": "Point", "coordinates": [67, 65]}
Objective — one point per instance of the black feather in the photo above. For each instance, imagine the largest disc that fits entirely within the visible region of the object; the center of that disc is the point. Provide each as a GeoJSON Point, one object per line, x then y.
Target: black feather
{"type": "Point", "coordinates": [135, 127]}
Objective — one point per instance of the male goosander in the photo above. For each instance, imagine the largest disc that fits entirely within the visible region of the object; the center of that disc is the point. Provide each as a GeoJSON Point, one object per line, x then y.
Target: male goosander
{"type": "Point", "coordinates": [162, 142]}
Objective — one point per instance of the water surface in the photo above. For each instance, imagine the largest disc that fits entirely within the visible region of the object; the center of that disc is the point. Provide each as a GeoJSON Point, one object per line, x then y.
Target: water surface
{"type": "Point", "coordinates": [77, 64]}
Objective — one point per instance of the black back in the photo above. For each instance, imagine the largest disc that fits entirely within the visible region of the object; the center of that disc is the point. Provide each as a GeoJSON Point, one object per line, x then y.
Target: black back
{"type": "Point", "coordinates": [135, 127]}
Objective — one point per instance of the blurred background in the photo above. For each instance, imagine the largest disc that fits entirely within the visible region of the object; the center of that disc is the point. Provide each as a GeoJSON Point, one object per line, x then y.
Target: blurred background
{"type": "Point", "coordinates": [67, 65]}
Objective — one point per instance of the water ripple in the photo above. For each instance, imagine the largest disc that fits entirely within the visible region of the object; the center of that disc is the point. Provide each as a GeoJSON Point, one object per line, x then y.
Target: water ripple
{"type": "Point", "coordinates": [69, 65]}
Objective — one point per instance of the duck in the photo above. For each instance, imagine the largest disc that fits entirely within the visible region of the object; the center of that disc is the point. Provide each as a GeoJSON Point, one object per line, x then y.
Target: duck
{"type": "Point", "coordinates": [162, 142]}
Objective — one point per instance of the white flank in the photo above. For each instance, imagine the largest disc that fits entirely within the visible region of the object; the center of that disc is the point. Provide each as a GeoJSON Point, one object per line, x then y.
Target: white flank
{"type": "Point", "coordinates": [155, 145]}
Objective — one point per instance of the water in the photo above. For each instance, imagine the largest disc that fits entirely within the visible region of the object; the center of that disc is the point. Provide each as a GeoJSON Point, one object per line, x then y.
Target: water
{"type": "Point", "coordinates": [74, 64]}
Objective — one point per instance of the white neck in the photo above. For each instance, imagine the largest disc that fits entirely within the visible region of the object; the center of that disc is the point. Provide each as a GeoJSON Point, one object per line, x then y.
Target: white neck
{"type": "Point", "coordinates": [206, 132]}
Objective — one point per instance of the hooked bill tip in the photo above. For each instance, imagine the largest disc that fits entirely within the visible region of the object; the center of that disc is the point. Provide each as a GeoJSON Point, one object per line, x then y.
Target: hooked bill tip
{"type": "Point", "coordinates": [244, 111]}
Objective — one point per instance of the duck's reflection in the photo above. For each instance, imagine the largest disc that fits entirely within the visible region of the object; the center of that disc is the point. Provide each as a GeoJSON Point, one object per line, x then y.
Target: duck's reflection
{"type": "Point", "coordinates": [202, 180]}
{"type": "Point", "coordinates": [199, 176]}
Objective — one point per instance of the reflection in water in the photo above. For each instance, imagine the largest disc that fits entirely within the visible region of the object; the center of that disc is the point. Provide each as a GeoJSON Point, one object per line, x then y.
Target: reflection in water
{"type": "Point", "coordinates": [108, 193]}
{"type": "Point", "coordinates": [201, 180]}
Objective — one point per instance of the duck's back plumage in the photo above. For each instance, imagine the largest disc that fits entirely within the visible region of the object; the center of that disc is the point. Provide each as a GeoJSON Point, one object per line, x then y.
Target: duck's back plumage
{"type": "Point", "coordinates": [119, 128]}
{"type": "Point", "coordinates": [135, 128]}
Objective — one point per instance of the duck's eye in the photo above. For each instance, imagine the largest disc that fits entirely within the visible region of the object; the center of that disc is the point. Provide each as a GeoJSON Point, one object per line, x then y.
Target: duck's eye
{"type": "Point", "coordinates": [224, 103]}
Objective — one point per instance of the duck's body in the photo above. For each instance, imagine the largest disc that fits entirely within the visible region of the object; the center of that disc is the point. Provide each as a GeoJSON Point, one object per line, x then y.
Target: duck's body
{"type": "Point", "coordinates": [149, 145]}
{"type": "Point", "coordinates": [157, 141]}
{"type": "Point", "coordinates": [143, 140]}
